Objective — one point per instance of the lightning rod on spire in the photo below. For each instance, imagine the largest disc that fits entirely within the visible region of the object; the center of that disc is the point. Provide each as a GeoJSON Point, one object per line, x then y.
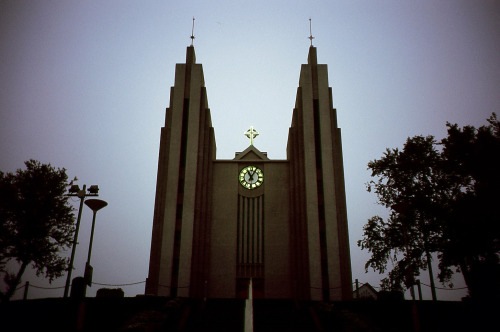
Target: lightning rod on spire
{"type": "Point", "coordinates": [310, 32]}
{"type": "Point", "coordinates": [192, 33]}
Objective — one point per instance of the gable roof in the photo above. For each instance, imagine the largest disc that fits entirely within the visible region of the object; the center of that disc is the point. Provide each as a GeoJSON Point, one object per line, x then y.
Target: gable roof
{"type": "Point", "coordinates": [251, 154]}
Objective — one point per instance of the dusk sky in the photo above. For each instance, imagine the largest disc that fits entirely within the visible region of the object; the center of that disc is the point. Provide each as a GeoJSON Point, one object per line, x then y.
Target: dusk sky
{"type": "Point", "coordinates": [84, 86]}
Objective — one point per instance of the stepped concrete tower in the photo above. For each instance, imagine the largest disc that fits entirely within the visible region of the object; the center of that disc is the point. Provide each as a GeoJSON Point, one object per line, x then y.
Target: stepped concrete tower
{"type": "Point", "coordinates": [280, 223]}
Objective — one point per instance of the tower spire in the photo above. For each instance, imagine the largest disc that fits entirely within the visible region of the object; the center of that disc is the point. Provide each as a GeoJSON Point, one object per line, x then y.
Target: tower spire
{"type": "Point", "coordinates": [192, 33]}
{"type": "Point", "coordinates": [310, 32]}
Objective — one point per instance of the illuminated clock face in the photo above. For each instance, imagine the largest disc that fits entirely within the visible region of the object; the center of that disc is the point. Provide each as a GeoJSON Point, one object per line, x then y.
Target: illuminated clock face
{"type": "Point", "coordinates": [251, 177]}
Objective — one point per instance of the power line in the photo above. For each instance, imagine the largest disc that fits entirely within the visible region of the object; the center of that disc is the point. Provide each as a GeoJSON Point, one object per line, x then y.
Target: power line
{"type": "Point", "coordinates": [448, 289]}
{"type": "Point", "coordinates": [96, 283]}
{"type": "Point", "coordinates": [130, 284]}
{"type": "Point", "coordinates": [40, 287]}
{"type": "Point", "coordinates": [441, 288]}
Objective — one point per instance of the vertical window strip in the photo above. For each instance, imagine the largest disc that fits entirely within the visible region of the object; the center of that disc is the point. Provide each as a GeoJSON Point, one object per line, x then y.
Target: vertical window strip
{"type": "Point", "coordinates": [252, 236]}
{"type": "Point", "coordinates": [250, 233]}
{"type": "Point", "coordinates": [321, 203]}
{"type": "Point", "coordinates": [238, 232]}
{"type": "Point", "coordinates": [180, 191]}
{"type": "Point", "coordinates": [259, 234]}
{"type": "Point", "coordinates": [247, 233]}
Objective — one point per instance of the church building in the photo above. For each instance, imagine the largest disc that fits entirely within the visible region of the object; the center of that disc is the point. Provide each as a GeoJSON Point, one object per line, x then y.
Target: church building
{"type": "Point", "coordinates": [281, 224]}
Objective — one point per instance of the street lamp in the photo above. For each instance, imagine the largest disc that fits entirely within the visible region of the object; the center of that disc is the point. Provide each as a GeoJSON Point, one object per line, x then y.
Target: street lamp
{"type": "Point", "coordinates": [95, 205]}
{"type": "Point", "coordinates": [74, 190]}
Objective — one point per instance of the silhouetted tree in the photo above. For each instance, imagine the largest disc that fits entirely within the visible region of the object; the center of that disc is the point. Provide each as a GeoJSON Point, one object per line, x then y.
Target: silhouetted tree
{"type": "Point", "coordinates": [410, 183]}
{"type": "Point", "coordinates": [36, 222]}
{"type": "Point", "coordinates": [471, 232]}
{"type": "Point", "coordinates": [444, 202]}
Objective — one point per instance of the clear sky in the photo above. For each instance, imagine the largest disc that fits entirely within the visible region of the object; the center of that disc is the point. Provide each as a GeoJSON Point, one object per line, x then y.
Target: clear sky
{"type": "Point", "coordinates": [84, 85]}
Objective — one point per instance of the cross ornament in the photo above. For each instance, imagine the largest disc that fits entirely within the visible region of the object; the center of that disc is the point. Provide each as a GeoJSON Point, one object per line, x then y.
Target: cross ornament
{"type": "Point", "coordinates": [251, 133]}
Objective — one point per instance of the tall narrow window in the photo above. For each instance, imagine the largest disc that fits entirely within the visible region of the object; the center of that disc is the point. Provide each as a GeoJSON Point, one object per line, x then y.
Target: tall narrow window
{"type": "Point", "coordinates": [250, 250]}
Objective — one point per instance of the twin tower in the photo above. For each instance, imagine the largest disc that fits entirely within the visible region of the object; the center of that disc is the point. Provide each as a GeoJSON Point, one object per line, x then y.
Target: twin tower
{"type": "Point", "coordinates": [220, 223]}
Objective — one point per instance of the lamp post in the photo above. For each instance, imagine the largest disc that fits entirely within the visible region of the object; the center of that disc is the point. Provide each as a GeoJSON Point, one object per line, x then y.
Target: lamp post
{"type": "Point", "coordinates": [75, 191]}
{"type": "Point", "coordinates": [95, 205]}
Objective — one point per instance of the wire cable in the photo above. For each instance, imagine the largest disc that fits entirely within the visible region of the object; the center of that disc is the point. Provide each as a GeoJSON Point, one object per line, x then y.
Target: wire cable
{"type": "Point", "coordinates": [129, 284]}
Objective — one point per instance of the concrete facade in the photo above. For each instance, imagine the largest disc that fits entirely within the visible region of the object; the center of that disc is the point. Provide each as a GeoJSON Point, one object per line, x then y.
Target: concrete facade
{"type": "Point", "coordinates": [211, 235]}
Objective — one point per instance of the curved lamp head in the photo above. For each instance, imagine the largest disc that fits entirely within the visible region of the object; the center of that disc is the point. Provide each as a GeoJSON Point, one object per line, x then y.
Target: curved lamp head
{"type": "Point", "coordinates": [95, 204]}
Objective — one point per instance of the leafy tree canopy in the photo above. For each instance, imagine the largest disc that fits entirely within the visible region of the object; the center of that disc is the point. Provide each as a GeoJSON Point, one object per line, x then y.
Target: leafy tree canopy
{"type": "Point", "coordinates": [36, 222]}
{"type": "Point", "coordinates": [471, 227]}
{"type": "Point", "coordinates": [444, 199]}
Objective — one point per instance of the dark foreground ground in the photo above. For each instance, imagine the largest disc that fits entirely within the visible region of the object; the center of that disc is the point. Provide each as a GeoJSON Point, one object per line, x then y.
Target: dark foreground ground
{"type": "Point", "coordinates": [167, 314]}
